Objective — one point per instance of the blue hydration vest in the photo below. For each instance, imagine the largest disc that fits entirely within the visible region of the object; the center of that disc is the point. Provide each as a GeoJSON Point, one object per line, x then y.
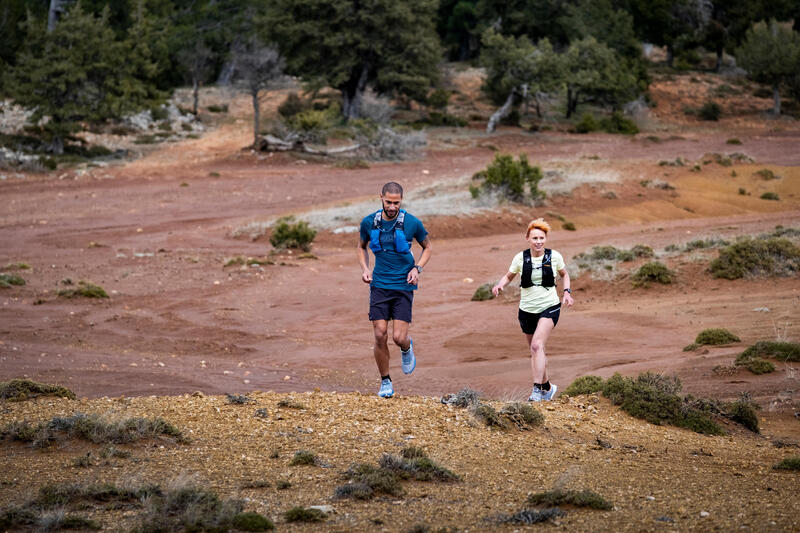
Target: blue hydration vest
{"type": "Point", "coordinates": [400, 242]}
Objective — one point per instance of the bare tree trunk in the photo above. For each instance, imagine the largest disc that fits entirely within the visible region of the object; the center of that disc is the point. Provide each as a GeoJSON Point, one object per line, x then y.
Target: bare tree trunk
{"type": "Point", "coordinates": [501, 113]}
{"type": "Point", "coordinates": [56, 9]}
{"type": "Point", "coordinates": [56, 145]}
{"type": "Point", "coordinates": [352, 95]}
{"type": "Point", "coordinates": [195, 91]}
{"type": "Point", "coordinates": [256, 117]}
{"type": "Point", "coordinates": [776, 98]}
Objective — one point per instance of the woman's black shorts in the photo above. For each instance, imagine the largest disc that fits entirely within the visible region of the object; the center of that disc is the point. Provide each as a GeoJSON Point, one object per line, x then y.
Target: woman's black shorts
{"type": "Point", "coordinates": [529, 321]}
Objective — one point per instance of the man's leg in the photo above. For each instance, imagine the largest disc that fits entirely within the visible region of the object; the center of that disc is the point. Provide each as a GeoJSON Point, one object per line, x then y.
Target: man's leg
{"type": "Point", "coordinates": [381, 348]}
{"type": "Point", "coordinates": [400, 334]}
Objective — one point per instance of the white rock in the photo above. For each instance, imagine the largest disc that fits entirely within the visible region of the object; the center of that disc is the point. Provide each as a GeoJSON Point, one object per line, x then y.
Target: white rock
{"type": "Point", "coordinates": [704, 514]}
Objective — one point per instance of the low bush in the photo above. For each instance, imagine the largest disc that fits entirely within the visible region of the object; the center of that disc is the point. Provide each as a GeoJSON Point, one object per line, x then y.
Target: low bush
{"type": "Point", "coordinates": [754, 258]}
{"type": "Point", "coordinates": [766, 174]}
{"type": "Point", "coordinates": [642, 250]}
{"type": "Point", "coordinates": [587, 124]}
{"type": "Point", "coordinates": [464, 398]}
{"type": "Point", "coordinates": [770, 196]}
{"type": "Point", "coordinates": [378, 480]}
{"type": "Point", "coordinates": [252, 522]}
{"type": "Point", "coordinates": [516, 181]}
{"type": "Point", "coordinates": [585, 385]}
{"type": "Point", "coordinates": [238, 399]}
{"type": "Point", "coordinates": [733, 140]}
{"type": "Point", "coordinates": [84, 289]}
{"type": "Point", "coordinates": [414, 463]}
{"type": "Point", "coordinates": [652, 272]}
{"type": "Point", "coordinates": [790, 463]}
{"type": "Point", "coordinates": [575, 498]}
{"type": "Point", "coordinates": [290, 234]}
{"type": "Point", "coordinates": [782, 351]}
{"type": "Point", "coordinates": [8, 280]}
{"type": "Point", "coordinates": [758, 365]}
{"type": "Point", "coordinates": [188, 508]}
{"type": "Point", "coordinates": [483, 293]}
{"type": "Point", "coordinates": [303, 457]}
{"type": "Point", "coordinates": [654, 398]}
{"type": "Point", "coordinates": [217, 108]}
{"type": "Point", "coordinates": [530, 516]}
{"type": "Point", "coordinates": [522, 415]}
{"type": "Point", "coordinates": [715, 337]}
{"type": "Point", "coordinates": [569, 226]}
{"type": "Point", "coordinates": [304, 514]}
{"type": "Point", "coordinates": [743, 411]}
{"type": "Point", "coordinates": [488, 415]}
{"type": "Point", "coordinates": [618, 123]}
{"type": "Point", "coordinates": [710, 111]}
{"type": "Point", "coordinates": [91, 428]}
{"type": "Point", "coordinates": [288, 403]}
{"type": "Point", "coordinates": [293, 105]}
{"type": "Point", "coordinates": [25, 389]}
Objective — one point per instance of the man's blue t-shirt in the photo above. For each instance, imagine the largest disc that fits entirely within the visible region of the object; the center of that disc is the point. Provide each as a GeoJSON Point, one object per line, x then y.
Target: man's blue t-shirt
{"type": "Point", "coordinates": [392, 268]}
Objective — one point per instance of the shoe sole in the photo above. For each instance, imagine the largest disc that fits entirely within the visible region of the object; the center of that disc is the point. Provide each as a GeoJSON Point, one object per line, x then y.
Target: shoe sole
{"type": "Point", "coordinates": [386, 395]}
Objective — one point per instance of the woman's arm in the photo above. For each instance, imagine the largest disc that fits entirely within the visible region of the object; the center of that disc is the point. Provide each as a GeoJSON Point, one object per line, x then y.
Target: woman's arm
{"type": "Point", "coordinates": [567, 299]}
{"type": "Point", "coordinates": [505, 280]}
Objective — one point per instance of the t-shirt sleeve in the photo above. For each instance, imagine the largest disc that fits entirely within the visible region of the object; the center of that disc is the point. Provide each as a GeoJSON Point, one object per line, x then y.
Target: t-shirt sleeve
{"type": "Point", "coordinates": [516, 264]}
{"type": "Point", "coordinates": [558, 261]}
{"type": "Point", "coordinates": [421, 233]}
{"type": "Point", "coordinates": [364, 230]}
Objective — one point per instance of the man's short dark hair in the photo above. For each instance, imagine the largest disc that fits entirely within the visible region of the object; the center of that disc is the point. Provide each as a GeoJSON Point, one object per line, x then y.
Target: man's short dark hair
{"type": "Point", "coordinates": [392, 188]}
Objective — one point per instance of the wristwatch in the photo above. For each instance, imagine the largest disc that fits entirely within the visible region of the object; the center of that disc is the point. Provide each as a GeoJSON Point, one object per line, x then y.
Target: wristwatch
{"type": "Point", "coordinates": [419, 268]}
{"type": "Point", "coordinates": [568, 290]}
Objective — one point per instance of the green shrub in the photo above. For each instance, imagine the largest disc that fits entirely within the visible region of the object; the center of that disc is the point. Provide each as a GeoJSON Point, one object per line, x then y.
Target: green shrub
{"type": "Point", "coordinates": [642, 250]}
{"type": "Point", "coordinates": [691, 347]}
{"type": "Point", "coordinates": [379, 480]}
{"type": "Point", "coordinates": [7, 280]}
{"type": "Point", "coordinates": [218, 108]}
{"type": "Point", "coordinates": [742, 191]}
{"type": "Point", "coordinates": [752, 258]}
{"type": "Point", "coordinates": [464, 398]}
{"type": "Point", "coordinates": [699, 244]}
{"type": "Point", "coordinates": [303, 457]}
{"type": "Point", "coordinates": [654, 398]}
{"type": "Point", "coordinates": [569, 226]}
{"type": "Point", "coordinates": [522, 415]}
{"type": "Point", "coordinates": [770, 196]}
{"type": "Point", "coordinates": [84, 289]}
{"type": "Point", "coordinates": [304, 514]}
{"type": "Point", "coordinates": [351, 164]}
{"type": "Point", "coordinates": [514, 180]}
{"type": "Point", "coordinates": [530, 516]}
{"type": "Point", "coordinates": [188, 508]}
{"type": "Point", "coordinates": [618, 123]}
{"type": "Point", "coordinates": [782, 351]}
{"type": "Point", "coordinates": [743, 411]}
{"type": "Point", "coordinates": [483, 293]}
{"type": "Point", "coordinates": [25, 389]}
{"type": "Point", "coordinates": [488, 415]}
{"type": "Point", "coordinates": [733, 140]}
{"type": "Point", "coordinates": [290, 234]}
{"type": "Point", "coordinates": [758, 365]}
{"type": "Point", "coordinates": [710, 111]}
{"type": "Point", "coordinates": [293, 105]}
{"type": "Point", "coordinates": [252, 522]}
{"type": "Point", "coordinates": [585, 385]}
{"type": "Point", "coordinates": [716, 336]}
{"type": "Point", "coordinates": [654, 272]}
{"type": "Point", "coordinates": [436, 118]}
{"type": "Point", "coordinates": [790, 463]}
{"type": "Point", "coordinates": [575, 498]}
{"type": "Point", "coordinates": [766, 174]}
{"type": "Point", "coordinates": [439, 99]}
{"type": "Point", "coordinates": [587, 124]}
{"type": "Point", "coordinates": [414, 463]}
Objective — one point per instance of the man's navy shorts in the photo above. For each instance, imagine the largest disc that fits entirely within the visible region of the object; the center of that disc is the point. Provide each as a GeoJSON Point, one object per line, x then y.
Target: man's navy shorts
{"type": "Point", "coordinates": [390, 304]}
{"type": "Point", "coordinates": [528, 321]}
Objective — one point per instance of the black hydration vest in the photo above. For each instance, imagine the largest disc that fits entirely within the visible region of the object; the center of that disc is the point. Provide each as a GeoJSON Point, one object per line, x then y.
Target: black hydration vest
{"type": "Point", "coordinates": [548, 279]}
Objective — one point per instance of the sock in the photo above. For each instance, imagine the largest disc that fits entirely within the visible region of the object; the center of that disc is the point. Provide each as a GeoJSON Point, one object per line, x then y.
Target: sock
{"type": "Point", "coordinates": [538, 385]}
{"type": "Point", "coordinates": [545, 386]}
{"type": "Point", "coordinates": [386, 377]}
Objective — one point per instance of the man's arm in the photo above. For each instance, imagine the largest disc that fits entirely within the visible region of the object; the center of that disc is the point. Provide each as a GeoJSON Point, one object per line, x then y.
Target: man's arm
{"type": "Point", "coordinates": [413, 274]}
{"type": "Point", "coordinates": [363, 260]}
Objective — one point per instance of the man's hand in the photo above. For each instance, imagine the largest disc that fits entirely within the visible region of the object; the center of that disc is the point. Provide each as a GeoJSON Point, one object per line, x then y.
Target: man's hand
{"type": "Point", "coordinates": [366, 276]}
{"type": "Point", "coordinates": [413, 276]}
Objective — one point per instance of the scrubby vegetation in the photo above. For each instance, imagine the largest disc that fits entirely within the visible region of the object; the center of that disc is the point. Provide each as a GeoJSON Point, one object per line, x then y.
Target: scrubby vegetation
{"type": "Point", "coordinates": [91, 428]}
{"type": "Point", "coordinates": [516, 181]}
{"type": "Point", "coordinates": [25, 389]}
{"type": "Point", "coordinates": [715, 337]}
{"type": "Point", "coordinates": [753, 358]}
{"type": "Point", "coordinates": [610, 253]}
{"type": "Point", "coordinates": [575, 498]}
{"type": "Point", "coordinates": [585, 385]}
{"type": "Point", "coordinates": [790, 463]}
{"type": "Point", "coordinates": [652, 272]}
{"type": "Point", "coordinates": [8, 280]}
{"type": "Point", "coordinates": [289, 233]}
{"type": "Point", "coordinates": [413, 463]}
{"type": "Point", "coordinates": [84, 289]}
{"type": "Point", "coordinates": [464, 398]}
{"type": "Point", "coordinates": [304, 457]}
{"type": "Point", "coordinates": [304, 514]}
{"type": "Point", "coordinates": [755, 258]}
{"type": "Point", "coordinates": [247, 261]}
{"type": "Point", "coordinates": [530, 516]}
{"type": "Point", "coordinates": [615, 123]}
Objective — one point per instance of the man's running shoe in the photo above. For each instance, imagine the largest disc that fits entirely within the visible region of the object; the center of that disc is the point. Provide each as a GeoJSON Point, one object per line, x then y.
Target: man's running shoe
{"type": "Point", "coordinates": [409, 362]}
{"type": "Point", "coordinates": [536, 394]}
{"type": "Point", "coordinates": [548, 395]}
{"type": "Point", "coordinates": [387, 391]}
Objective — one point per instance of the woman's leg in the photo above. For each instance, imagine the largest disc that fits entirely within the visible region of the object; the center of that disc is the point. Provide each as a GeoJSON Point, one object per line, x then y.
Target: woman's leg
{"type": "Point", "coordinates": [536, 342]}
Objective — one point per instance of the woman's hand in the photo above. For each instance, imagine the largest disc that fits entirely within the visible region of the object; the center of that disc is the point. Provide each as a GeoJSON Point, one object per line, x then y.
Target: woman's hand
{"type": "Point", "coordinates": [567, 300]}
{"type": "Point", "coordinates": [497, 289]}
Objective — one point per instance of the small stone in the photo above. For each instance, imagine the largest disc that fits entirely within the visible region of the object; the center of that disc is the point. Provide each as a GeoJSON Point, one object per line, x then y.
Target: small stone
{"type": "Point", "coordinates": [704, 514]}
{"type": "Point", "coordinates": [650, 498]}
{"type": "Point", "coordinates": [327, 509]}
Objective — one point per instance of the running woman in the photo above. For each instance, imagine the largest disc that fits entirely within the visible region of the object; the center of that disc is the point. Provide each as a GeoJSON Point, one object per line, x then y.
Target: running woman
{"type": "Point", "coordinates": [539, 303]}
{"type": "Point", "coordinates": [389, 233]}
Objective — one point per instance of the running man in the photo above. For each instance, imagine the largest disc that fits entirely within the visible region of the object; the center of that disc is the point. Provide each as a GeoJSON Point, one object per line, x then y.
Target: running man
{"type": "Point", "coordinates": [539, 304]}
{"type": "Point", "coordinates": [389, 233]}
